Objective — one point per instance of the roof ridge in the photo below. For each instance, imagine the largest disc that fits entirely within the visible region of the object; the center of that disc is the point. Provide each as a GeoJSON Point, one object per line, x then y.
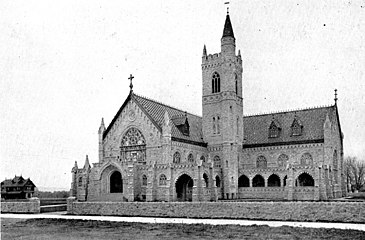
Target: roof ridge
{"type": "Point", "coordinates": [161, 103]}
{"type": "Point", "coordinates": [288, 110]}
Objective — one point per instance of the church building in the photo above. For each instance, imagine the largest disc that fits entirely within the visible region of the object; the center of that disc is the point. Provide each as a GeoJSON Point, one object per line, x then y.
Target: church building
{"type": "Point", "coordinates": [151, 151]}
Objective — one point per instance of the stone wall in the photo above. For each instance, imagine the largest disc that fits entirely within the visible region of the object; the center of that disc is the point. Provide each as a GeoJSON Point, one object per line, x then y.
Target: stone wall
{"type": "Point", "coordinates": [31, 206]}
{"type": "Point", "coordinates": [293, 211]}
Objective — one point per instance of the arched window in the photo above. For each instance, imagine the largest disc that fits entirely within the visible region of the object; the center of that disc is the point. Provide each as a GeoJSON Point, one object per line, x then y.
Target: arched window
{"type": "Point", "coordinates": [202, 158]}
{"type": "Point", "coordinates": [80, 181]}
{"type": "Point", "coordinates": [206, 180]}
{"type": "Point", "coordinates": [258, 181]}
{"type": "Point", "coordinates": [306, 159]}
{"type": "Point", "coordinates": [217, 181]}
{"type": "Point", "coordinates": [116, 183]}
{"type": "Point", "coordinates": [176, 157]}
{"type": "Point", "coordinates": [218, 125]}
{"type": "Point", "coordinates": [217, 162]}
{"type": "Point", "coordinates": [273, 181]}
{"type": "Point", "coordinates": [243, 181]}
{"type": "Point", "coordinates": [237, 126]}
{"type": "Point", "coordinates": [144, 180]}
{"type": "Point", "coordinates": [305, 180]}
{"type": "Point", "coordinates": [236, 82]}
{"type": "Point", "coordinates": [226, 163]}
{"type": "Point", "coordinates": [284, 180]}
{"type": "Point", "coordinates": [214, 126]}
{"type": "Point", "coordinates": [296, 127]}
{"type": "Point", "coordinates": [133, 146]}
{"type": "Point", "coordinates": [190, 158]}
{"type": "Point", "coordinates": [335, 160]}
{"type": "Point", "coordinates": [162, 180]}
{"type": "Point", "coordinates": [216, 83]}
{"type": "Point", "coordinates": [261, 162]}
{"type": "Point", "coordinates": [133, 137]}
{"type": "Point", "coordinates": [283, 160]}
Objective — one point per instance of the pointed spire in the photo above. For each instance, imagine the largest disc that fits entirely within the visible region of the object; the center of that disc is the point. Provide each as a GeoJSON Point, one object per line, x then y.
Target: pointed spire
{"type": "Point", "coordinates": [87, 164]}
{"type": "Point", "coordinates": [102, 126]}
{"type": "Point", "coordinates": [239, 53]}
{"type": "Point", "coordinates": [204, 51]}
{"type": "Point", "coordinates": [228, 30]}
{"type": "Point", "coordinates": [74, 169]}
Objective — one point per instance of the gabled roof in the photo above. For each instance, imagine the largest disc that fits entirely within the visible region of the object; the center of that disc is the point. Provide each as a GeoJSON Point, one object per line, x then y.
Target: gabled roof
{"type": "Point", "coordinates": [155, 111]}
{"type": "Point", "coordinates": [17, 181]}
{"type": "Point", "coordinates": [256, 127]}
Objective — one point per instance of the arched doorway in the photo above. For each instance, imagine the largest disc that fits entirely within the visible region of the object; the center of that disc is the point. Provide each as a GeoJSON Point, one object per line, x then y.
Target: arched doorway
{"type": "Point", "coordinates": [184, 188]}
{"type": "Point", "coordinates": [116, 182]}
{"type": "Point", "coordinates": [304, 180]}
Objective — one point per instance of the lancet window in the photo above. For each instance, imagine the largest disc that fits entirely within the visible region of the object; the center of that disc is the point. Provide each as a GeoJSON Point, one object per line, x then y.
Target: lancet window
{"type": "Point", "coordinates": [216, 83]}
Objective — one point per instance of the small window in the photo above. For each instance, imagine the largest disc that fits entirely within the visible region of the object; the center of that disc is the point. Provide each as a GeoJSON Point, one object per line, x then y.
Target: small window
{"type": "Point", "coordinates": [283, 160]}
{"type": "Point", "coordinates": [191, 158]}
{"type": "Point", "coordinates": [217, 162]}
{"type": "Point", "coordinates": [216, 83]}
{"type": "Point", "coordinates": [202, 158]}
{"type": "Point", "coordinates": [306, 159]}
{"type": "Point", "coordinates": [217, 181]}
{"type": "Point", "coordinates": [144, 180]}
{"type": "Point", "coordinates": [80, 181]}
{"type": "Point", "coordinates": [218, 125]}
{"type": "Point", "coordinates": [236, 82]}
{"type": "Point", "coordinates": [176, 157]}
{"type": "Point", "coordinates": [162, 180]}
{"type": "Point", "coordinates": [206, 180]}
{"type": "Point", "coordinates": [214, 126]}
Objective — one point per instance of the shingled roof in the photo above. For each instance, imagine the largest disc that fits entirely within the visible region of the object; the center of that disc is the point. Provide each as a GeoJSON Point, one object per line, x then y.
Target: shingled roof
{"type": "Point", "coordinates": [17, 181]}
{"type": "Point", "coordinates": [256, 128]}
{"type": "Point", "coordinates": [156, 110]}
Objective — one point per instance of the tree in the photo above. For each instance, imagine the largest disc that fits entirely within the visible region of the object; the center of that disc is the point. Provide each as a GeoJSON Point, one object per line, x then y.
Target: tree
{"type": "Point", "coordinates": [355, 173]}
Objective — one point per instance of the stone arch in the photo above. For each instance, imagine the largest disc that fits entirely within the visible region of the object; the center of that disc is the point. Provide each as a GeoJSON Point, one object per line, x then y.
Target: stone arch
{"type": "Point", "coordinates": [217, 161]}
{"type": "Point", "coordinates": [162, 180]}
{"type": "Point", "coordinates": [304, 180]}
{"type": "Point", "coordinates": [273, 180]}
{"type": "Point", "coordinates": [243, 181]}
{"type": "Point", "coordinates": [184, 187]}
{"type": "Point", "coordinates": [109, 165]}
{"type": "Point", "coordinates": [258, 181]}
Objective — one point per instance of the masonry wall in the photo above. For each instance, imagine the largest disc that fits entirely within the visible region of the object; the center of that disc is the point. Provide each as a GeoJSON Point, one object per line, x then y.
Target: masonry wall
{"type": "Point", "coordinates": [31, 206]}
{"type": "Point", "coordinates": [285, 211]}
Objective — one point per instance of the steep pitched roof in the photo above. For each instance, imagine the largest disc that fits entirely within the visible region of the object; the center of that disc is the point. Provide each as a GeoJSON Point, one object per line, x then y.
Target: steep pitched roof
{"type": "Point", "coordinates": [156, 111]}
{"type": "Point", "coordinates": [17, 181]}
{"type": "Point", "coordinates": [228, 30]}
{"type": "Point", "coordinates": [256, 127]}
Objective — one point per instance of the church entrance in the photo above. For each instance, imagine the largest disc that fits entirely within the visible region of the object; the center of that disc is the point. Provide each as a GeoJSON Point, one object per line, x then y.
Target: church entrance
{"type": "Point", "coordinates": [116, 183]}
{"type": "Point", "coordinates": [184, 188]}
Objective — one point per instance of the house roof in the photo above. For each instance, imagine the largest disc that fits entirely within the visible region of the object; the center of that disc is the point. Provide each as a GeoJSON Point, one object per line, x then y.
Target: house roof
{"type": "Point", "coordinates": [156, 110]}
{"type": "Point", "coordinates": [17, 181]}
{"type": "Point", "coordinates": [312, 120]}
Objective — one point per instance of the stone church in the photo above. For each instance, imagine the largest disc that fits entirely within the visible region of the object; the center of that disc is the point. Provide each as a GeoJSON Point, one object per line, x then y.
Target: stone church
{"type": "Point", "coordinates": [154, 152]}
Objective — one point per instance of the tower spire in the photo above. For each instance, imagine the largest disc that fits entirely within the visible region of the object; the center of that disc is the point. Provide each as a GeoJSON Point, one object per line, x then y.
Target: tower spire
{"type": "Point", "coordinates": [228, 30]}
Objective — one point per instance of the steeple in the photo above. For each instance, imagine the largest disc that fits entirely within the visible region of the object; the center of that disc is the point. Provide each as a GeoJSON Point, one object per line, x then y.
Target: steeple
{"type": "Point", "coordinates": [204, 51]}
{"type": "Point", "coordinates": [102, 127]}
{"type": "Point", "coordinates": [228, 30]}
{"type": "Point", "coordinates": [87, 164]}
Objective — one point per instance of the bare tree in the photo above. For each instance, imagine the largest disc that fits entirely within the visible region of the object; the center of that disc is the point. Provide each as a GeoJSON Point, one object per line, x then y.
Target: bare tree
{"type": "Point", "coordinates": [355, 173]}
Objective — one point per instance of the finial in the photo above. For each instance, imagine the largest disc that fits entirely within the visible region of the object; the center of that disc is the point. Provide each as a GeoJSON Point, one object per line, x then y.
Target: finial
{"type": "Point", "coordinates": [204, 51]}
{"type": "Point", "coordinates": [131, 84]}
{"type": "Point", "coordinates": [227, 7]}
{"type": "Point", "coordinates": [336, 97]}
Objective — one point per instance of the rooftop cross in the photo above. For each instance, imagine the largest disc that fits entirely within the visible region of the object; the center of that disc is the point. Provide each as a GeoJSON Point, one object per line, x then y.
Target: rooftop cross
{"type": "Point", "coordinates": [227, 7]}
{"type": "Point", "coordinates": [336, 96]}
{"type": "Point", "coordinates": [131, 84]}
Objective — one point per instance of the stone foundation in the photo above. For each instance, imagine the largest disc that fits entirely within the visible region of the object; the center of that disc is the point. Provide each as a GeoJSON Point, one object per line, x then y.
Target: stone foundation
{"type": "Point", "coordinates": [30, 206]}
{"type": "Point", "coordinates": [283, 211]}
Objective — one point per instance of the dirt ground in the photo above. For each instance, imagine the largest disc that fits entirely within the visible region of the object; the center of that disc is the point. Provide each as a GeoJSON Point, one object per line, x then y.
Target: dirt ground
{"type": "Point", "coordinates": [83, 229]}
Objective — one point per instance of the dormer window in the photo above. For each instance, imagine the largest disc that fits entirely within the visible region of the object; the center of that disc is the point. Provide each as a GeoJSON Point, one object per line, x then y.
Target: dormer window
{"type": "Point", "coordinates": [274, 129]}
{"type": "Point", "coordinates": [182, 123]}
{"type": "Point", "coordinates": [296, 127]}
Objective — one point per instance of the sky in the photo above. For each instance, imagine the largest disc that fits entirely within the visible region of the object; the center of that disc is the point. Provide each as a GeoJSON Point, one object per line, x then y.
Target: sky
{"type": "Point", "coordinates": [65, 64]}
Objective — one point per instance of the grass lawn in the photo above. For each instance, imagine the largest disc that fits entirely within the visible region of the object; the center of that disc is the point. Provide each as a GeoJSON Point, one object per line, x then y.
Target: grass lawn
{"type": "Point", "coordinates": [83, 229]}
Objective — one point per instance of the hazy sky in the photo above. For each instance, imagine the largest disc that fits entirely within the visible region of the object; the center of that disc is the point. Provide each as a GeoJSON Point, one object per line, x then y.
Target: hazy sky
{"type": "Point", "coordinates": [64, 65]}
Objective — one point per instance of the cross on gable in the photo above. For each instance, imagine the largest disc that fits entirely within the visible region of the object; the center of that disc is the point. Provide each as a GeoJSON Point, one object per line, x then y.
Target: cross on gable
{"type": "Point", "coordinates": [131, 84]}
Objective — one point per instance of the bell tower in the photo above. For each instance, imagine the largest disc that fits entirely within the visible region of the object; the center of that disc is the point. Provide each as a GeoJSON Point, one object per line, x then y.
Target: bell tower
{"type": "Point", "coordinates": [223, 107]}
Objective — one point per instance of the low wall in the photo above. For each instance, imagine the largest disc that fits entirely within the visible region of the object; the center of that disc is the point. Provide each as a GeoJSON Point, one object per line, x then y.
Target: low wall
{"type": "Point", "coordinates": [31, 206]}
{"type": "Point", "coordinates": [52, 201]}
{"type": "Point", "coordinates": [263, 193]}
{"type": "Point", "coordinates": [293, 211]}
{"type": "Point", "coordinates": [54, 208]}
